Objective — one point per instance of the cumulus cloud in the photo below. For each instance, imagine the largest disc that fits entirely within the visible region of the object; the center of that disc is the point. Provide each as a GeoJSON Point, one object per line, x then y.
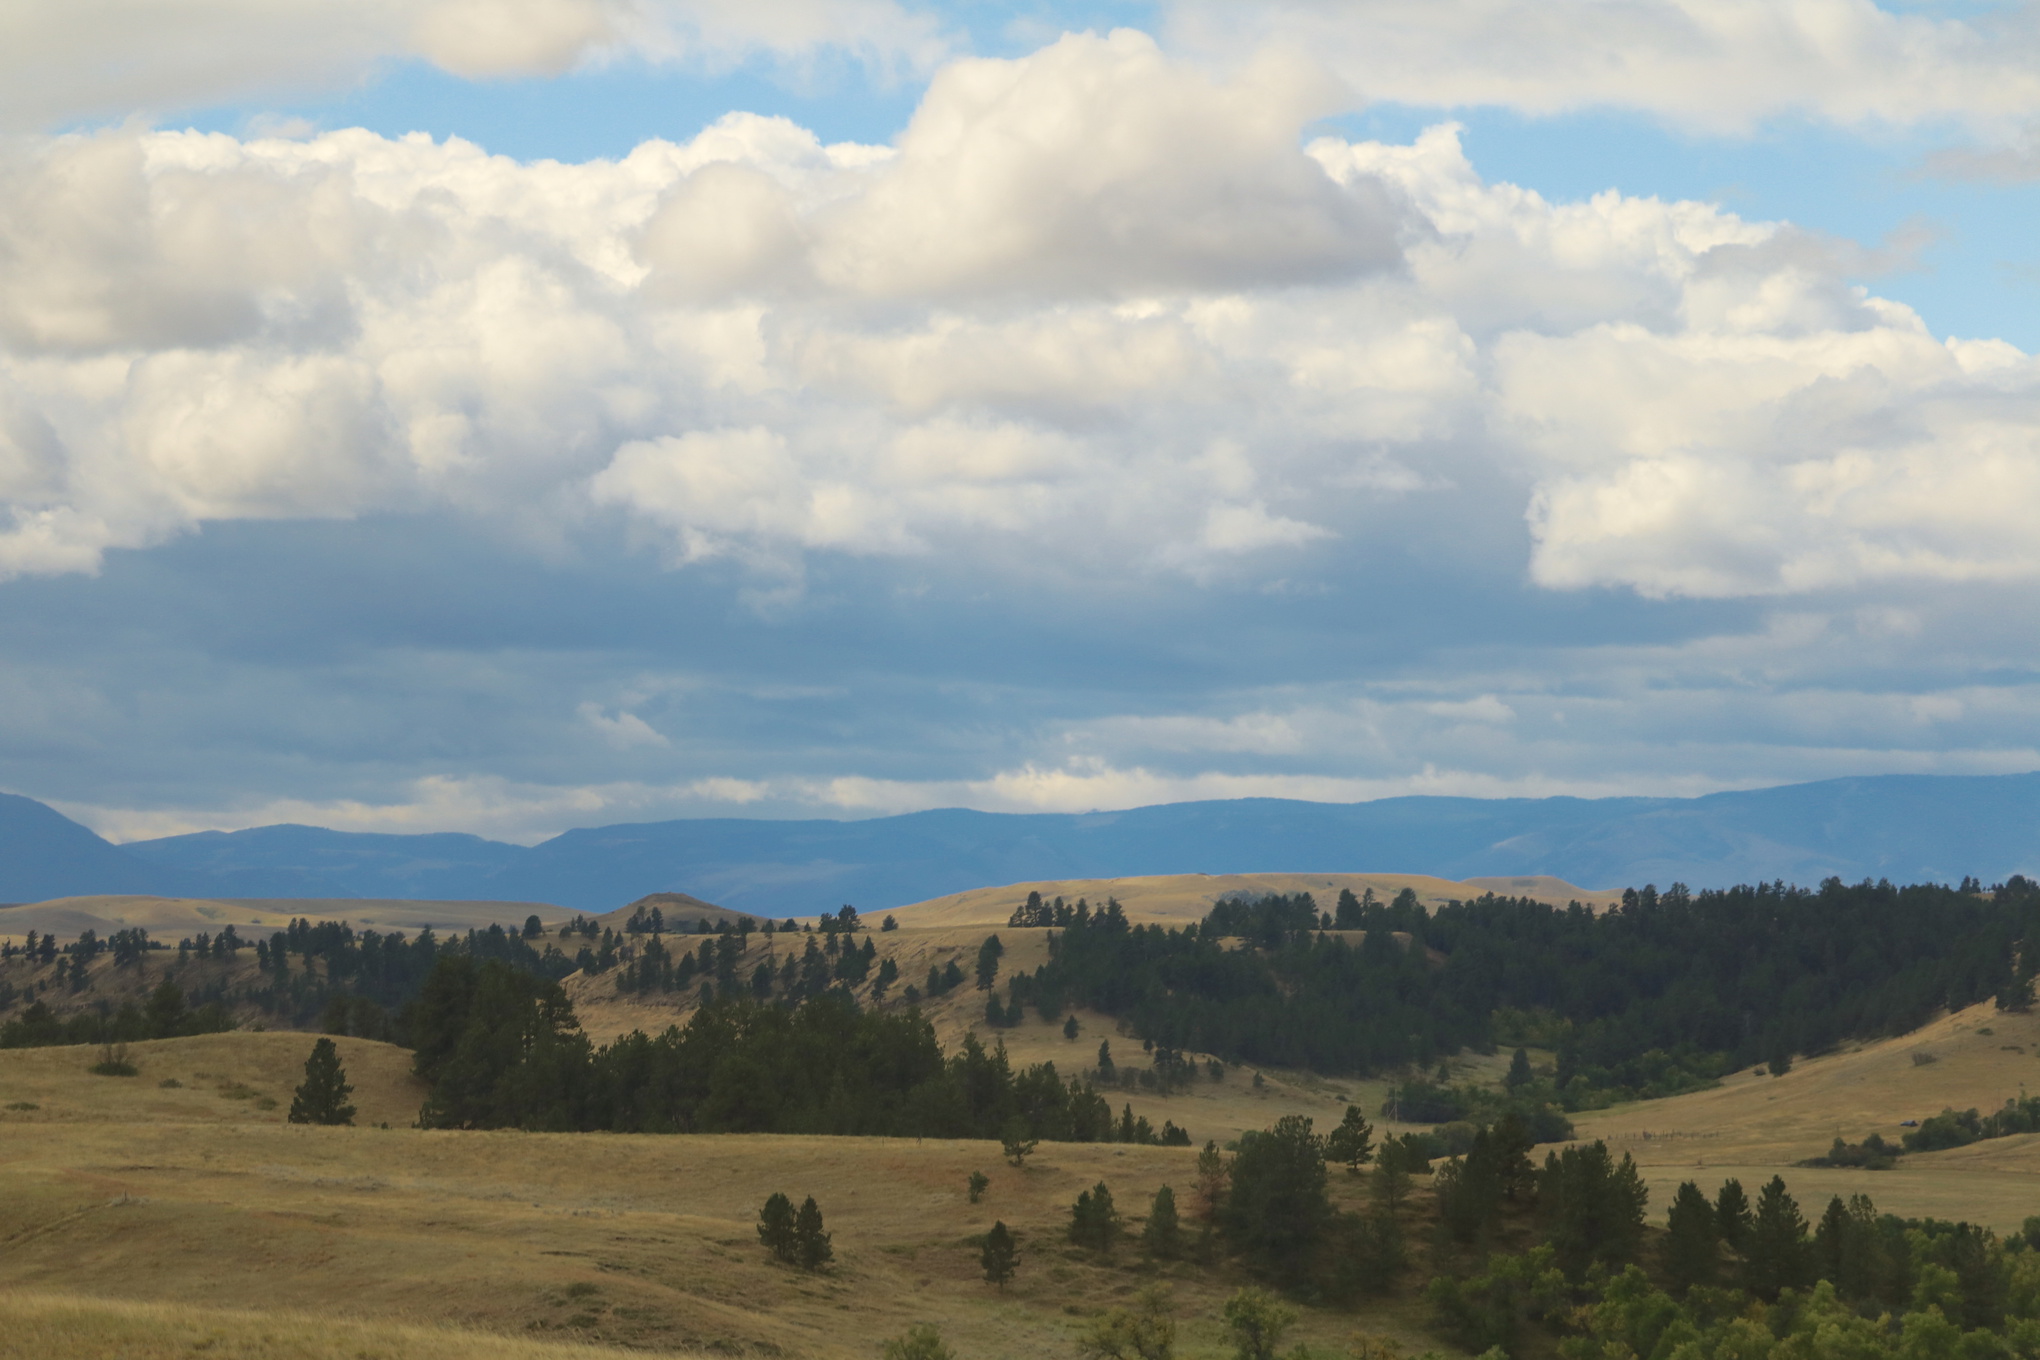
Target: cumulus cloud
{"type": "Point", "coordinates": [62, 60]}
{"type": "Point", "coordinates": [1714, 65]}
{"type": "Point", "coordinates": [1092, 300]}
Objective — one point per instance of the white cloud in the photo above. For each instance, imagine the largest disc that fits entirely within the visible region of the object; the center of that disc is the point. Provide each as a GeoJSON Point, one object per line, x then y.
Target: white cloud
{"type": "Point", "coordinates": [1096, 312]}
{"type": "Point", "coordinates": [62, 60]}
{"type": "Point", "coordinates": [1715, 65]}
{"type": "Point", "coordinates": [624, 731]}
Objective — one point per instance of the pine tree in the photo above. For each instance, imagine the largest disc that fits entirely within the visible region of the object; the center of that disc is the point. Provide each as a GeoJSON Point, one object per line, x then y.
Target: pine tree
{"type": "Point", "coordinates": [1094, 1221]}
{"type": "Point", "coordinates": [977, 1183]}
{"type": "Point", "coordinates": [1692, 1243]}
{"type": "Point", "coordinates": [1212, 1177]}
{"type": "Point", "coordinates": [1352, 1142]}
{"type": "Point", "coordinates": [322, 1098]}
{"type": "Point", "coordinates": [1000, 1256]}
{"type": "Point", "coordinates": [811, 1244]}
{"type": "Point", "coordinates": [1016, 1142]}
{"type": "Point", "coordinates": [1277, 1211]}
{"type": "Point", "coordinates": [1162, 1236]}
{"type": "Point", "coordinates": [1777, 1256]}
{"type": "Point", "coordinates": [1732, 1216]}
{"type": "Point", "coordinates": [775, 1227]}
{"type": "Point", "coordinates": [1071, 1029]}
{"type": "Point", "coordinates": [1519, 1070]}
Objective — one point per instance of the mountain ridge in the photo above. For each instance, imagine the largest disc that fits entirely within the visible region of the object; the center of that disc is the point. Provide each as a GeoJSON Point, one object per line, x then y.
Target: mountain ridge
{"type": "Point", "coordinates": [1903, 827]}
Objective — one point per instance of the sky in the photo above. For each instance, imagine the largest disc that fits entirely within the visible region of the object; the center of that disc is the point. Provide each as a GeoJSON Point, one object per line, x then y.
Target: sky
{"type": "Point", "coordinates": [511, 415]}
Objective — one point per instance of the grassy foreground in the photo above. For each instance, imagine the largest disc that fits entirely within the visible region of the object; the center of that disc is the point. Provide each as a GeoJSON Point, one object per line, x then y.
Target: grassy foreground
{"type": "Point", "coordinates": [35, 1326]}
{"type": "Point", "coordinates": [122, 1189]}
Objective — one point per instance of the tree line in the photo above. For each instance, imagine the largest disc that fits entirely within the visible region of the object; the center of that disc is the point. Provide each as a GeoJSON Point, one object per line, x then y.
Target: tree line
{"type": "Point", "coordinates": [1661, 993]}
{"type": "Point", "coordinates": [501, 1049]}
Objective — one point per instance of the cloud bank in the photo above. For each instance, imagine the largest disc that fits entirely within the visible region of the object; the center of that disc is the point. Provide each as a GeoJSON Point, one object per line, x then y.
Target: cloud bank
{"type": "Point", "coordinates": [1106, 437]}
{"type": "Point", "coordinates": [1091, 296]}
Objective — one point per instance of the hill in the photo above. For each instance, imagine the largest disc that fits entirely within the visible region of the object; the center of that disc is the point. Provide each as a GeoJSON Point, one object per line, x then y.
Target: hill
{"type": "Point", "coordinates": [123, 1189]}
{"type": "Point", "coordinates": [1177, 899]}
{"type": "Point", "coordinates": [1902, 827]}
{"type": "Point", "coordinates": [1754, 1125]}
{"type": "Point", "coordinates": [169, 918]}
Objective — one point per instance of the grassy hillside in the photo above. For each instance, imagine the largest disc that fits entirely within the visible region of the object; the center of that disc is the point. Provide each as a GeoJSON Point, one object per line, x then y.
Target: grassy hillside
{"type": "Point", "coordinates": [124, 1190]}
{"type": "Point", "coordinates": [35, 1326]}
{"type": "Point", "coordinates": [1179, 899]}
{"type": "Point", "coordinates": [169, 918]}
{"type": "Point", "coordinates": [1755, 1125]}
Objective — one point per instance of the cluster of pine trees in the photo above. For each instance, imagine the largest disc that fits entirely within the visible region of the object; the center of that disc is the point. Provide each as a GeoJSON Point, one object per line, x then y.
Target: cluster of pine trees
{"type": "Point", "coordinates": [502, 1050]}
{"type": "Point", "coordinates": [1662, 993]}
{"type": "Point", "coordinates": [1734, 1279]}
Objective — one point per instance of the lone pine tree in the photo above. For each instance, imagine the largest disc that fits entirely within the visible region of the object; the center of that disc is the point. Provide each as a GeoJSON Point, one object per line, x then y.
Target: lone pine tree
{"type": "Point", "coordinates": [1000, 1256]}
{"type": "Point", "coordinates": [1162, 1237]}
{"type": "Point", "coordinates": [322, 1098]}
{"type": "Point", "coordinates": [1352, 1142]}
{"type": "Point", "coordinates": [1094, 1222]}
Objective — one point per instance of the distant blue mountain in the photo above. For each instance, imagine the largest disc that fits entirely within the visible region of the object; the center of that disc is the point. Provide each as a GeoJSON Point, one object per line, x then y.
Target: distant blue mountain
{"type": "Point", "coordinates": [1902, 827]}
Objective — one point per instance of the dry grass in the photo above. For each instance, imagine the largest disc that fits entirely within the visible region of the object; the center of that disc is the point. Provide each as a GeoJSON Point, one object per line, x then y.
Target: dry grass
{"type": "Point", "coordinates": [39, 1326]}
{"type": "Point", "coordinates": [1178, 899]}
{"type": "Point", "coordinates": [1755, 1125]}
{"type": "Point", "coordinates": [173, 917]}
{"type": "Point", "coordinates": [1218, 1110]}
{"type": "Point", "coordinates": [632, 1240]}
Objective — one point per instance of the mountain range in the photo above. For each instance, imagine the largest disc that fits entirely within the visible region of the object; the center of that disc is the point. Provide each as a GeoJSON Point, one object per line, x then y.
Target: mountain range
{"type": "Point", "coordinates": [1902, 827]}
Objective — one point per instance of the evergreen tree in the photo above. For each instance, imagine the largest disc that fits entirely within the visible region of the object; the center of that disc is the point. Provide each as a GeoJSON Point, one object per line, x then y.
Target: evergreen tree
{"type": "Point", "coordinates": [1352, 1143]}
{"type": "Point", "coordinates": [1213, 1175]}
{"type": "Point", "coordinates": [165, 1011]}
{"type": "Point", "coordinates": [1105, 1068]}
{"type": "Point", "coordinates": [1732, 1216]}
{"type": "Point", "coordinates": [1512, 1143]}
{"type": "Point", "coordinates": [1000, 1256]}
{"type": "Point", "coordinates": [1519, 1070]}
{"type": "Point", "coordinates": [1469, 1190]}
{"type": "Point", "coordinates": [1162, 1236]}
{"type": "Point", "coordinates": [1777, 1255]}
{"type": "Point", "coordinates": [1692, 1243]}
{"type": "Point", "coordinates": [1389, 1186]}
{"type": "Point", "coordinates": [977, 1183]}
{"type": "Point", "coordinates": [322, 1097]}
{"type": "Point", "coordinates": [1592, 1207]}
{"type": "Point", "coordinates": [810, 1243]}
{"type": "Point", "coordinates": [1071, 1029]}
{"type": "Point", "coordinates": [1276, 1210]}
{"type": "Point", "coordinates": [1094, 1221]}
{"type": "Point", "coordinates": [1016, 1142]}
{"type": "Point", "coordinates": [775, 1228]}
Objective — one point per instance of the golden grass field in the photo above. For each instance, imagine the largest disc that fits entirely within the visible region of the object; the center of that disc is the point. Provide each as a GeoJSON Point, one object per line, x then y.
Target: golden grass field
{"type": "Point", "coordinates": [122, 1190]}
{"type": "Point", "coordinates": [1179, 899]}
{"type": "Point", "coordinates": [173, 917]}
{"type": "Point", "coordinates": [1755, 1125]}
{"type": "Point", "coordinates": [176, 1212]}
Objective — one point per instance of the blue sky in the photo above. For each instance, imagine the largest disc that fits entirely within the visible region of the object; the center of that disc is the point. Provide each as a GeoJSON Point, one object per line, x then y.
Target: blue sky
{"type": "Point", "coordinates": [792, 410]}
